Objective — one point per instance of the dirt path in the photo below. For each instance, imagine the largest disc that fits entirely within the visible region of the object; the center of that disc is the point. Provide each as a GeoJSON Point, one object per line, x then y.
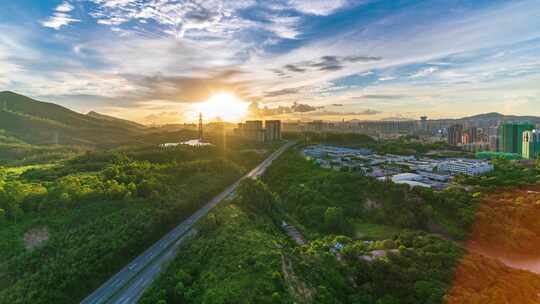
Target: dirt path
{"type": "Point", "coordinates": [298, 288]}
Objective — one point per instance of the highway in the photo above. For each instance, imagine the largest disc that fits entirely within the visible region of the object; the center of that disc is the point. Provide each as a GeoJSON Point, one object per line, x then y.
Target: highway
{"type": "Point", "coordinates": [129, 284]}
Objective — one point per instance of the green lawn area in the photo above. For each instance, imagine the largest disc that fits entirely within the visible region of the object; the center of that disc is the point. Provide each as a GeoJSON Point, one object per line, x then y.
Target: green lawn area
{"type": "Point", "coordinates": [372, 231]}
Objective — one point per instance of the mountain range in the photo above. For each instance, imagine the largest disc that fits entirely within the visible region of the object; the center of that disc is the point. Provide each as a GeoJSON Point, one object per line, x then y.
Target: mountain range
{"type": "Point", "coordinates": [23, 119]}
{"type": "Point", "coordinates": [38, 122]}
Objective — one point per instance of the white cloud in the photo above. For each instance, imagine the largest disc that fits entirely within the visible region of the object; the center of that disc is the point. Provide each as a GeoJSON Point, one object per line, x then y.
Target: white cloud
{"type": "Point", "coordinates": [212, 40]}
{"type": "Point", "coordinates": [176, 17]}
{"type": "Point", "coordinates": [283, 26]}
{"type": "Point", "coordinates": [317, 7]}
{"type": "Point", "coordinates": [57, 20]}
{"type": "Point", "coordinates": [65, 7]}
{"type": "Point", "coordinates": [398, 46]}
{"type": "Point", "coordinates": [424, 72]}
{"type": "Point", "coordinates": [61, 17]}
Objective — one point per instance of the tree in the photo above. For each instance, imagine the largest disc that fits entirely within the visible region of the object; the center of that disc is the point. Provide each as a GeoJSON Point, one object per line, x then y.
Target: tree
{"type": "Point", "coordinates": [334, 220]}
{"type": "Point", "coordinates": [111, 172]}
{"type": "Point", "coordinates": [11, 197]}
{"type": "Point", "coordinates": [276, 297]}
{"type": "Point", "coordinates": [256, 196]}
{"type": "Point", "coordinates": [388, 299]}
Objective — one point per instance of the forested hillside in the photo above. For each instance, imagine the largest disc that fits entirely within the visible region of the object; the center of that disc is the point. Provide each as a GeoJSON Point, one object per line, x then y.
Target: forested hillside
{"type": "Point", "coordinates": [68, 226]}
{"type": "Point", "coordinates": [36, 122]}
{"type": "Point", "coordinates": [368, 242]}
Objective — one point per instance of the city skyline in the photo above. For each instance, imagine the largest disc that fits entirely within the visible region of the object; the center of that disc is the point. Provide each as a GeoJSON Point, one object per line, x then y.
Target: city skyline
{"type": "Point", "coordinates": [154, 61]}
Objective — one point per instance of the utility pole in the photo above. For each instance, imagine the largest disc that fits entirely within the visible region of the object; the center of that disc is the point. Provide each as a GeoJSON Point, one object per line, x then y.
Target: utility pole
{"type": "Point", "coordinates": [200, 127]}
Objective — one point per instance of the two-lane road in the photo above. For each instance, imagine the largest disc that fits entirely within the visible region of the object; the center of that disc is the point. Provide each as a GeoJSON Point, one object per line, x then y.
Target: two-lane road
{"type": "Point", "coordinates": [128, 285]}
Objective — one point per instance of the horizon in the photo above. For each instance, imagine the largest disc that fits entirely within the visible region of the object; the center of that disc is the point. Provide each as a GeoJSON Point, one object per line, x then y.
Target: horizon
{"type": "Point", "coordinates": [194, 121]}
{"type": "Point", "coordinates": [155, 62]}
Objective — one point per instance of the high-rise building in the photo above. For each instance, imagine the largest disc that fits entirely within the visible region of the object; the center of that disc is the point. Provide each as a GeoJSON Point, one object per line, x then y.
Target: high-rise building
{"type": "Point", "coordinates": [511, 136]}
{"type": "Point", "coordinates": [531, 144]}
{"type": "Point", "coordinates": [316, 125]}
{"type": "Point", "coordinates": [272, 130]}
{"type": "Point", "coordinates": [454, 134]}
{"type": "Point", "coordinates": [466, 138]}
{"type": "Point", "coordinates": [493, 143]}
{"type": "Point", "coordinates": [473, 134]}
{"type": "Point", "coordinates": [254, 130]}
{"type": "Point", "coordinates": [423, 123]}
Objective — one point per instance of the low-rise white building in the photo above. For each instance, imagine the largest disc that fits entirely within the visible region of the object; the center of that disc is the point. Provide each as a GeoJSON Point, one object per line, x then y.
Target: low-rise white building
{"type": "Point", "coordinates": [407, 177]}
{"type": "Point", "coordinates": [465, 166]}
{"type": "Point", "coordinates": [413, 184]}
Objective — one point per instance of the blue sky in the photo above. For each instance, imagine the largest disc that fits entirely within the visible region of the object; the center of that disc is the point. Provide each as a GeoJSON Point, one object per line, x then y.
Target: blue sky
{"type": "Point", "coordinates": [151, 61]}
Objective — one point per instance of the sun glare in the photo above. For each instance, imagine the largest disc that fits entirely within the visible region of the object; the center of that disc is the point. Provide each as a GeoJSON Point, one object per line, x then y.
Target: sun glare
{"type": "Point", "coordinates": [224, 106]}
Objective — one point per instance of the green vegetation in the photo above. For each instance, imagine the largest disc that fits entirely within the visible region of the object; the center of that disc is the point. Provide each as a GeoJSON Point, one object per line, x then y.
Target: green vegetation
{"type": "Point", "coordinates": [507, 173]}
{"type": "Point", "coordinates": [359, 250]}
{"type": "Point", "coordinates": [67, 227]}
{"type": "Point", "coordinates": [373, 231]}
{"type": "Point", "coordinates": [308, 193]}
{"type": "Point", "coordinates": [411, 145]}
{"type": "Point", "coordinates": [344, 208]}
{"type": "Point", "coordinates": [236, 257]}
{"type": "Point", "coordinates": [416, 268]}
{"type": "Point", "coordinates": [37, 123]}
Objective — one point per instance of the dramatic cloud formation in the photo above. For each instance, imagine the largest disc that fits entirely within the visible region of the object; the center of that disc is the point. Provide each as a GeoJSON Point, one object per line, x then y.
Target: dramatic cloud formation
{"type": "Point", "coordinates": [256, 110]}
{"type": "Point", "coordinates": [143, 59]}
{"type": "Point", "coordinates": [325, 63]}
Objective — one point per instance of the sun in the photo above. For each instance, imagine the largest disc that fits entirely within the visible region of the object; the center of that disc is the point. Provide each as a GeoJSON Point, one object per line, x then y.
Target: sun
{"type": "Point", "coordinates": [224, 106]}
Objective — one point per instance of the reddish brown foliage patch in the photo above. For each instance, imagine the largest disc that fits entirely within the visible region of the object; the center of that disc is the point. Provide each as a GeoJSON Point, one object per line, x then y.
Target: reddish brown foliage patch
{"type": "Point", "coordinates": [506, 233]}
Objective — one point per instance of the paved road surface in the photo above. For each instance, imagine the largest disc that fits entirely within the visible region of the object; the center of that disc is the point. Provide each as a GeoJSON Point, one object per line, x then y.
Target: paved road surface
{"type": "Point", "coordinates": [128, 285]}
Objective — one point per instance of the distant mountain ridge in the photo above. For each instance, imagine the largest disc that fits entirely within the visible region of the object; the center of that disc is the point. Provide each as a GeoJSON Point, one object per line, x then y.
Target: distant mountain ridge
{"type": "Point", "coordinates": [115, 119]}
{"type": "Point", "coordinates": [38, 122]}
{"type": "Point", "coordinates": [502, 117]}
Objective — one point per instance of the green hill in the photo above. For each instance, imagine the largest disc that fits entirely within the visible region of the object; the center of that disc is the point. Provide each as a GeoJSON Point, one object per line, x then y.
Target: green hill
{"type": "Point", "coordinates": [37, 122]}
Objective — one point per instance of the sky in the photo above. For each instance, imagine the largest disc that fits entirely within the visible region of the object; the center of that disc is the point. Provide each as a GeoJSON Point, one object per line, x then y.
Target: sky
{"type": "Point", "coordinates": [153, 61]}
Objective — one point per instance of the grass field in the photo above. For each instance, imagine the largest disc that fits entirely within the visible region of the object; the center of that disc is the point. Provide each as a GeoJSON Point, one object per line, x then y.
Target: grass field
{"type": "Point", "coordinates": [372, 231]}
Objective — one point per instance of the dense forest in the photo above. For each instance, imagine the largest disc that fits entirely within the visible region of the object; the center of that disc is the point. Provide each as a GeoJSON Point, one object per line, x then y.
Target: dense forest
{"type": "Point", "coordinates": [68, 226]}
{"type": "Point", "coordinates": [236, 257]}
{"type": "Point", "coordinates": [369, 242]}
